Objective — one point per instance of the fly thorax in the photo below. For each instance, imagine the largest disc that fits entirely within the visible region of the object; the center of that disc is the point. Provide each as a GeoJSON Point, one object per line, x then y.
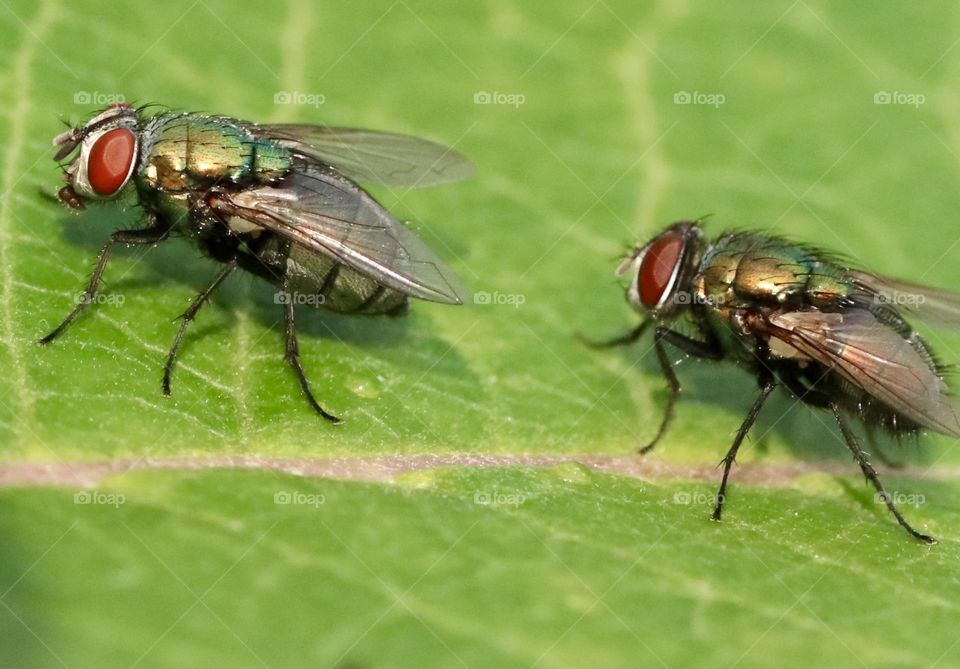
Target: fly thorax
{"type": "Point", "coordinates": [270, 161]}
{"type": "Point", "coordinates": [715, 283]}
{"type": "Point", "coordinates": [769, 276]}
{"type": "Point", "coordinates": [827, 284]}
{"type": "Point", "coordinates": [192, 151]}
{"type": "Point", "coordinates": [166, 172]}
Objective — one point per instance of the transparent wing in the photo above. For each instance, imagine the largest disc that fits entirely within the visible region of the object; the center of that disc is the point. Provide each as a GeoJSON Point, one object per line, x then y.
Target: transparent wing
{"type": "Point", "coordinates": [372, 157]}
{"type": "Point", "coordinates": [874, 357]}
{"type": "Point", "coordinates": [936, 306]}
{"type": "Point", "coordinates": [319, 209]}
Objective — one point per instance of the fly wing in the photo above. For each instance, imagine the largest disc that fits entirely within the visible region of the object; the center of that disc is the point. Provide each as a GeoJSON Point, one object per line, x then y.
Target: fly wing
{"type": "Point", "coordinates": [937, 306]}
{"type": "Point", "coordinates": [874, 357]}
{"type": "Point", "coordinates": [321, 210]}
{"type": "Point", "coordinates": [381, 158]}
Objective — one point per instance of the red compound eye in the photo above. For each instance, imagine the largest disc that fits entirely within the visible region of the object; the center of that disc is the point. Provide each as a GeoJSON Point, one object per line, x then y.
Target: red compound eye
{"type": "Point", "coordinates": [110, 160]}
{"type": "Point", "coordinates": [658, 267]}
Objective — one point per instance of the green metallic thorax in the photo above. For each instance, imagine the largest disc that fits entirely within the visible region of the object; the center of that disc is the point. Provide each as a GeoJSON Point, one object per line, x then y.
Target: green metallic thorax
{"type": "Point", "coordinates": [742, 270]}
{"type": "Point", "coordinates": [189, 153]}
{"type": "Point", "coordinates": [185, 155]}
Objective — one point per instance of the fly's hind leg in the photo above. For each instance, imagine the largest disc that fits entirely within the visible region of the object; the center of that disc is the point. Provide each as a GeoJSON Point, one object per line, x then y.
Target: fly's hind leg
{"type": "Point", "coordinates": [872, 476]}
{"type": "Point", "coordinates": [293, 357]}
{"type": "Point", "coordinates": [187, 317]}
{"type": "Point", "coordinates": [820, 400]}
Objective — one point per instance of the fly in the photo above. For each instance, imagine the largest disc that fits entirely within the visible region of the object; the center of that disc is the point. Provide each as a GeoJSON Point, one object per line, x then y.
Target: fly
{"type": "Point", "coordinates": [793, 316]}
{"type": "Point", "coordinates": [281, 202]}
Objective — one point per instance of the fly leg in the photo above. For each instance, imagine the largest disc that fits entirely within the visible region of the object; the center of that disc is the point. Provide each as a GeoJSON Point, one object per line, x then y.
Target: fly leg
{"type": "Point", "coordinates": [149, 235]}
{"type": "Point", "coordinates": [709, 349]}
{"type": "Point", "coordinates": [818, 399]}
{"type": "Point", "coordinates": [623, 340]}
{"type": "Point", "coordinates": [187, 317]}
{"type": "Point", "coordinates": [767, 385]}
{"type": "Point", "coordinates": [871, 475]}
{"type": "Point", "coordinates": [629, 338]}
{"type": "Point", "coordinates": [673, 384]}
{"type": "Point", "coordinates": [293, 357]}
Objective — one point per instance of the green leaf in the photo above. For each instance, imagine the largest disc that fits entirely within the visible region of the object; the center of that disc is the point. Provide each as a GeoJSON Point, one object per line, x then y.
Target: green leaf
{"type": "Point", "coordinates": [447, 522]}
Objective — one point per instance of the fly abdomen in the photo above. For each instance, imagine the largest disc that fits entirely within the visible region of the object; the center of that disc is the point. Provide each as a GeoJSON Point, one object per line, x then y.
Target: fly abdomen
{"type": "Point", "coordinates": [325, 282]}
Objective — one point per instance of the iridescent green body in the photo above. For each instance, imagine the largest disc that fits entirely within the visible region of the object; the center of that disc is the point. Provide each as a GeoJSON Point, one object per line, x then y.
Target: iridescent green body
{"type": "Point", "coordinates": [743, 273]}
{"type": "Point", "coordinates": [793, 316]}
{"type": "Point", "coordinates": [744, 269]}
{"type": "Point", "coordinates": [184, 155]}
{"type": "Point", "coordinates": [279, 201]}
{"type": "Point", "coordinates": [187, 153]}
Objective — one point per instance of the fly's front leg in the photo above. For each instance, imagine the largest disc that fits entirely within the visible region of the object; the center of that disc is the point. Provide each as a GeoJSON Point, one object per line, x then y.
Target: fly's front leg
{"type": "Point", "coordinates": [150, 235]}
{"type": "Point", "coordinates": [710, 349]}
{"type": "Point", "coordinates": [622, 340]}
{"type": "Point", "coordinates": [673, 384]}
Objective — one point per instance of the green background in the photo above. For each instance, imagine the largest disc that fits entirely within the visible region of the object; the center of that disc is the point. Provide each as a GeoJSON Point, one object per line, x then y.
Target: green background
{"type": "Point", "coordinates": [182, 564]}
